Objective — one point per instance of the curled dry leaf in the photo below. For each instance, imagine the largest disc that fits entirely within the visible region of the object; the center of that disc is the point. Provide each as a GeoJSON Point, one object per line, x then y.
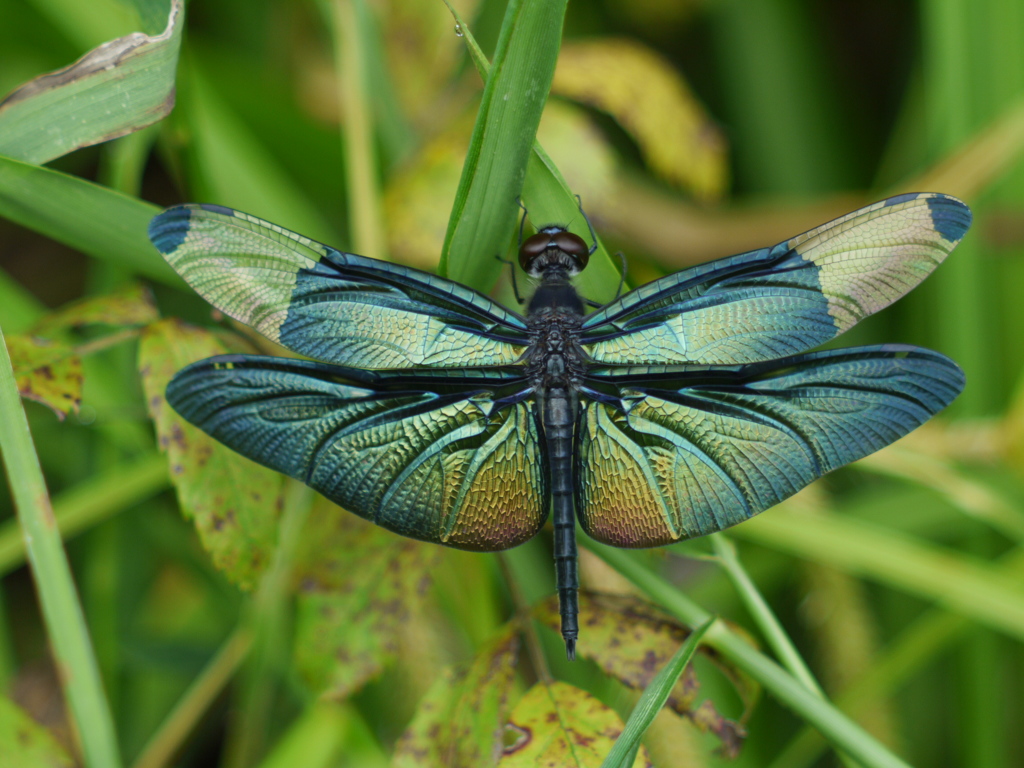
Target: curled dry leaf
{"type": "Point", "coordinates": [113, 90]}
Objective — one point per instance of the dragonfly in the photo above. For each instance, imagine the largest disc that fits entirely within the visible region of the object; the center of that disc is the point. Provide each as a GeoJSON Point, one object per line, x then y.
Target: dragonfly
{"type": "Point", "coordinates": [681, 408]}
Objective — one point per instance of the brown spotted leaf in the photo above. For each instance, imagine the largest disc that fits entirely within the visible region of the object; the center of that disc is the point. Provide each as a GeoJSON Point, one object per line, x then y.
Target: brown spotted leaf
{"type": "Point", "coordinates": [560, 725]}
{"type": "Point", "coordinates": [357, 586]}
{"type": "Point", "coordinates": [233, 502]}
{"type": "Point", "coordinates": [459, 723]}
{"type": "Point", "coordinates": [651, 101]}
{"type": "Point", "coordinates": [48, 372]}
{"type": "Point", "coordinates": [26, 744]}
{"type": "Point", "coordinates": [47, 365]}
{"type": "Point", "coordinates": [632, 640]}
{"type": "Point", "coordinates": [131, 305]}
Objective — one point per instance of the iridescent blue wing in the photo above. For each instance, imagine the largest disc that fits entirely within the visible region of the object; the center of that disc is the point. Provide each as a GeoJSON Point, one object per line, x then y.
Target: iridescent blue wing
{"type": "Point", "coordinates": [449, 456]}
{"type": "Point", "coordinates": [784, 300]}
{"type": "Point", "coordinates": [667, 453]}
{"type": "Point", "coordinates": [333, 306]}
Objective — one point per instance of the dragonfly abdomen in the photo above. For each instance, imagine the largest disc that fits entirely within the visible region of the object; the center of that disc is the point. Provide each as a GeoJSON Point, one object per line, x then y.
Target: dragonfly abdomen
{"type": "Point", "coordinates": [558, 417]}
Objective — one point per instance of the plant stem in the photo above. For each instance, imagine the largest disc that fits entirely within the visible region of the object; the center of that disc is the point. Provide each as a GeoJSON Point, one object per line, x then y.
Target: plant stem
{"type": "Point", "coordinates": [367, 231]}
{"type": "Point", "coordinates": [766, 619]}
{"type": "Point", "coordinates": [105, 342]}
{"type": "Point", "coordinates": [162, 746]}
{"type": "Point", "coordinates": [763, 615]}
{"type": "Point", "coordinates": [267, 615]}
{"type": "Point", "coordinates": [90, 502]}
{"type": "Point", "coordinates": [62, 613]}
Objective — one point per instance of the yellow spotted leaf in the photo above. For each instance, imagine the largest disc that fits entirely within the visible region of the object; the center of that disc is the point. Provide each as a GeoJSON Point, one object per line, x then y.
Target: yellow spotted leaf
{"type": "Point", "coordinates": [357, 586]}
{"type": "Point", "coordinates": [460, 721]}
{"type": "Point", "coordinates": [26, 744]}
{"type": "Point", "coordinates": [632, 640]}
{"type": "Point", "coordinates": [652, 102]}
{"type": "Point", "coordinates": [47, 365]}
{"type": "Point", "coordinates": [48, 372]}
{"type": "Point", "coordinates": [560, 725]}
{"type": "Point", "coordinates": [233, 502]}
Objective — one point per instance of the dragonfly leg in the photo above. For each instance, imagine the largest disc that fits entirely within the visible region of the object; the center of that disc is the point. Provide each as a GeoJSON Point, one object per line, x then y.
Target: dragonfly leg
{"type": "Point", "coordinates": [512, 271]}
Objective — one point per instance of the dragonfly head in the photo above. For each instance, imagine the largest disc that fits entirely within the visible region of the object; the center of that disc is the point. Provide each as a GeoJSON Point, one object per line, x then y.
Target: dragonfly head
{"type": "Point", "coordinates": [555, 249]}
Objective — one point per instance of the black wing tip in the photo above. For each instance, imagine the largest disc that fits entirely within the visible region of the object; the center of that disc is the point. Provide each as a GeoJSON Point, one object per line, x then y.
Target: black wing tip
{"type": "Point", "coordinates": [168, 229]}
{"type": "Point", "coordinates": [951, 217]}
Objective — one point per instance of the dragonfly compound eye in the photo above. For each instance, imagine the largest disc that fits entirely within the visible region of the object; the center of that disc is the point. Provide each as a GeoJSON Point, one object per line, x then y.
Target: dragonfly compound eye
{"type": "Point", "coordinates": [572, 245]}
{"type": "Point", "coordinates": [533, 247]}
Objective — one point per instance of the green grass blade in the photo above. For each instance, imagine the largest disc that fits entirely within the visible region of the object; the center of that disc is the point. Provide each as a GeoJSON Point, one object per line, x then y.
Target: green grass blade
{"type": "Point", "coordinates": [87, 25]}
{"type": "Point", "coordinates": [188, 712]}
{"type": "Point", "coordinates": [313, 740]}
{"type": "Point", "coordinates": [62, 613]}
{"type": "Point", "coordinates": [963, 584]}
{"type": "Point", "coordinates": [548, 197]}
{"type": "Point", "coordinates": [267, 616]}
{"type": "Point", "coordinates": [84, 216]}
{"type": "Point", "coordinates": [652, 700]}
{"type": "Point", "coordinates": [113, 90]}
{"type": "Point", "coordinates": [484, 211]}
{"type": "Point", "coordinates": [228, 163]}
{"type": "Point", "coordinates": [916, 647]}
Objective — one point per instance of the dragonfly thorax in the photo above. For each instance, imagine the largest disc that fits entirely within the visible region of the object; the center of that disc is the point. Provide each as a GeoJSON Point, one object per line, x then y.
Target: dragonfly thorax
{"type": "Point", "coordinates": [555, 358]}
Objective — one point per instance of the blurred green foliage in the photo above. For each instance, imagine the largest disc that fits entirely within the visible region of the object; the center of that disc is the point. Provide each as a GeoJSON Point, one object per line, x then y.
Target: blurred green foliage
{"type": "Point", "coordinates": [691, 130]}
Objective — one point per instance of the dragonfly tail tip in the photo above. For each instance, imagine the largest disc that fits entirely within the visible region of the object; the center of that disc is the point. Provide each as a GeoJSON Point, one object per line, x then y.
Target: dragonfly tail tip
{"type": "Point", "coordinates": [570, 648]}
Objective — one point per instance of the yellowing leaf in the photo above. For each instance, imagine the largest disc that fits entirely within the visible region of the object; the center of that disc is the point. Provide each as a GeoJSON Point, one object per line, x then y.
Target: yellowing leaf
{"type": "Point", "coordinates": [560, 725]}
{"type": "Point", "coordinates": [48, 368]}
{"type": "Point", "coordinates": [357, 586]}
{"type": "Point", "coordinates": [233, 502]}
{"type": "Point", "coordinates": [652, 102]}
{"type": "Point", "coordinates": [48, 372]}
{"type": "Point", "coordinates": [582, 154]}
{"type": "Point", "coordinates": [131, 305]}
{"type": "Point", "coordinates": [26, 744]}
{"type": "Point", "coordinates": [418, 199]}
{"type": "Point", "coordinates": [632, 640]}
{"type": "Point", "coordinates": [459, 723]}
